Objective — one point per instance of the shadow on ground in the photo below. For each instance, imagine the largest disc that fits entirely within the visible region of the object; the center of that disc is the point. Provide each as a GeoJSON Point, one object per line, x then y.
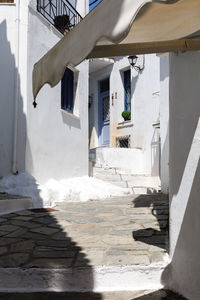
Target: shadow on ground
{"type": "Point", "coordinates": [37, 239]}
{"type": "Point", "coordinates": [160, 217]}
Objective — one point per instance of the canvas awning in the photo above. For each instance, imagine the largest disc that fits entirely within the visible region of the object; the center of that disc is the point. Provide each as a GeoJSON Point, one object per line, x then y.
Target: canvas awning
{"type": "Point", "coordinates": [119, 28]}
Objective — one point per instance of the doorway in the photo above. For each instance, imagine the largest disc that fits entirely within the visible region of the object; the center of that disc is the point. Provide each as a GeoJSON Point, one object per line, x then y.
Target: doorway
{"type": "Point", "coordinates": [104, 112]}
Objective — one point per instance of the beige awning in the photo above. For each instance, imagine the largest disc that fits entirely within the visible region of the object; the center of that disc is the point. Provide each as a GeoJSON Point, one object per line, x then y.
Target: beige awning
{"type": "Point", "coordinates": [119, 28]}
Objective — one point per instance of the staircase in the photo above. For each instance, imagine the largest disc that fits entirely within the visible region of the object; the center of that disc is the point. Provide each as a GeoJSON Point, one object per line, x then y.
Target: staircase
{"type": "Point", "coordinates": [121, 177]}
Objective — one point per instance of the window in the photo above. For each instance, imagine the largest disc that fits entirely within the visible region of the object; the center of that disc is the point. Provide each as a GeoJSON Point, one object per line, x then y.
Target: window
{"type": "Point", "coordinates": [123, 141]}
{"type": "Point", "coordinates": [127, 90]}
{"type": "Point", "coordinates": [67, 91]}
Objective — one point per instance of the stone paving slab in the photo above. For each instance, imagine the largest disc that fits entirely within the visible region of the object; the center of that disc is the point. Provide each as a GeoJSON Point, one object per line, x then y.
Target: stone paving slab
{"type": "Point", "coordinates": [121, 231]}
{"type": "Point", "coordinates": [142, 295]}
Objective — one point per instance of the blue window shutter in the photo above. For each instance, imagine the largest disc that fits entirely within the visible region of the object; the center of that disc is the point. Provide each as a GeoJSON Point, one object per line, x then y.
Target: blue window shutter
{"type": "Point", "coordinates": [127, 90]}
{"type": "Point", "coordinates": [67, 91]}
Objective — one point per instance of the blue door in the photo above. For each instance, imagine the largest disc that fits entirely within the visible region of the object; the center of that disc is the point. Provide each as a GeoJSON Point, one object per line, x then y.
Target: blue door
{"type": "Point", "coordinates": [104, 113]}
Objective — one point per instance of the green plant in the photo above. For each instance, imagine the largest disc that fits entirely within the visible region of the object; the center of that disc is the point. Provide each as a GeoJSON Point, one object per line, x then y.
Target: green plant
{"type": "Point", "coordinates": [126, 115]}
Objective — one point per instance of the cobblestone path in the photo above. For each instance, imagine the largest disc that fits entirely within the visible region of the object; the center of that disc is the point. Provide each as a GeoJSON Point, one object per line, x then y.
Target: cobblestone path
{"type": "Point", "coordinates": [120, 231]}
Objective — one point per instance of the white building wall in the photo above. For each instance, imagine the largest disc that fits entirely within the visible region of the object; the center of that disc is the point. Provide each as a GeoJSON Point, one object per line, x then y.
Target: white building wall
{"type": "Point", "coordinates": [7, 83]}
{"type": "Point", "coordinates": [13, 48]}
{"type": "Point", "coordinates": [164, 122]}
{"type": "Point", "coordinates": [146, 105]}
{"type": "Point", "coordinates": [57, 143]}
{"type": "Point", "coordinates": [49, 143]}
{"type": "Point", "coordinates": [184, 136]}
{"type": "Point", "coordinates": [145, 110]}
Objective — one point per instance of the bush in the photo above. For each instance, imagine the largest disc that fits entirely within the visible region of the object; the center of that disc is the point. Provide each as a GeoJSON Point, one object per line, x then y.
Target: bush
{"type": "Point", "coordinates": [126, 115]}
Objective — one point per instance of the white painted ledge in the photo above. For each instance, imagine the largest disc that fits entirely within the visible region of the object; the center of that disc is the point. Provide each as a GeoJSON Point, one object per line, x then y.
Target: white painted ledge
{"type": "Point", "coordinates": [70, 115]}
{"type": "Point", "coordinates": [125, 124]}
{"type": "Point", "coordinates": [97, 279]}
{"type": "Point", "coordinates": [8, 4]}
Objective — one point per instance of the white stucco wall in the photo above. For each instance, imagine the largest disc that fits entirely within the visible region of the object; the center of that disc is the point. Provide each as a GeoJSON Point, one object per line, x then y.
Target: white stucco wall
{"type": "Point", "coordinates": [57, 143]}
{"type": "Point", "coordinates": [164, 122]}
{"type": "Point", "coordinates": [146, 97]}
{"type": "Point", "coordinates": [184, 137]}
{"type": "Point", "coordinates": [7, 82]}
{"type": "Point", "coordinates": [49, 143]}
{"type": "Point", "coordinates": [145, 108]}
{"type": "Point", "coordinates": [13, 62]}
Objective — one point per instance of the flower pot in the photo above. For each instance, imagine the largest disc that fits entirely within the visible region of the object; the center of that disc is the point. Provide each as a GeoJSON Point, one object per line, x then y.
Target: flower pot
{"type": "Point", "coordinates": [126, 119]}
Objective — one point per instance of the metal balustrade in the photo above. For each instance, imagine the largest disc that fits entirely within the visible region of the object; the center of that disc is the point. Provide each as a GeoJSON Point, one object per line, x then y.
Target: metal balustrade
{"type": "Point", "coordinates": [59, 13]}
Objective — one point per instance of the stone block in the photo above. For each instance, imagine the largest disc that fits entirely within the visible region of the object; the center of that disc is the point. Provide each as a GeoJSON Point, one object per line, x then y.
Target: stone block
{"type": "Point", "coordinates": [45, 230]}
{"type": "Point", "coordinates": [13, 260]}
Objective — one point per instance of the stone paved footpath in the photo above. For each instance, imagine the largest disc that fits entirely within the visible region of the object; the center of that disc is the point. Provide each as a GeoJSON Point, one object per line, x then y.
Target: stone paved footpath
{"type": "Point", "coordinates": [120, 231]}
{"type": "Point", "coordinates": [142, 295]}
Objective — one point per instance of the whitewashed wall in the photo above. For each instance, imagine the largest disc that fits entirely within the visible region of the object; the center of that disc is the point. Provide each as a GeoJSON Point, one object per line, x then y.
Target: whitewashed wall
{"type": "Point", "coordinates": [164, 122]}
{"type": "Point", "coordinates": [184, 137]}
{"type": "Point", "coordinates": [13, 59]}
{"type": "Point", "coordinates": [49, 143]}
{"type": "Point", "coordinates": [7, 82]}
{"type": "Point", "coordinates": [57, 143]}
{"type": "Point", "coordinates": [146, 105]}
{"type": "Point", "coordinates": [145, 108]}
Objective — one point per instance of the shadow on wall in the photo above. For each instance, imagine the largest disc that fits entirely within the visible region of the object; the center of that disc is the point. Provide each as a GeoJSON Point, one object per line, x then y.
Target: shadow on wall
{"type": "Point", "coordinates": [9, 78]}
{"type": "Point", "coordinates": [185, 211]}
{"type": "Point", "coordinates": [184, 133]}
{"type": "Point", "coordinates": [43, 245]}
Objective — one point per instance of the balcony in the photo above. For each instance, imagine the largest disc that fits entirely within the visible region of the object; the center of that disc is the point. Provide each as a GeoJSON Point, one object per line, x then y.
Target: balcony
{"type": "Point", "coordinates": [59, 13]}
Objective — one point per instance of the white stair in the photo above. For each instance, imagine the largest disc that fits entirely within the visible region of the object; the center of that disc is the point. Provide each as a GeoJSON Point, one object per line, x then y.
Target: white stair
{"type": "Point", "coordinates": [136, 184]}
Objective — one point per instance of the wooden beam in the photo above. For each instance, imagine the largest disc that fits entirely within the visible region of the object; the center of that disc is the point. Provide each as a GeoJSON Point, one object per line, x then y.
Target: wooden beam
{"type": "Point", "coordinates": [144, 48]}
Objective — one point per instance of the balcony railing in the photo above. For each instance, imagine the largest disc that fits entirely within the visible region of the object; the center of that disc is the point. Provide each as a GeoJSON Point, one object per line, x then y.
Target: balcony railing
{"type": "Point", "coordinates": [59, 13]}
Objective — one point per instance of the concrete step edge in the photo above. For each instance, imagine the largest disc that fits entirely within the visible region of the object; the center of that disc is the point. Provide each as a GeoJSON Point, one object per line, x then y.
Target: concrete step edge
{"type": "Point", "coordinates": [15, 204]}
{"type": "Point", "coordinates": [96, 279]}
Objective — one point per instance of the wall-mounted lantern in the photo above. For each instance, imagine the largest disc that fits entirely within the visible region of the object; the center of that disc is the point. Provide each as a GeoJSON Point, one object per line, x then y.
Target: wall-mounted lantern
{"type": "Point", "coordinates": [132, 60]}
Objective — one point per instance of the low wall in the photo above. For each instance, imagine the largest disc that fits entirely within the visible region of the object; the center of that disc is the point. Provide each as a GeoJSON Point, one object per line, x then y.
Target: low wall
{"type": "Point", "coordinates": [130, 159]}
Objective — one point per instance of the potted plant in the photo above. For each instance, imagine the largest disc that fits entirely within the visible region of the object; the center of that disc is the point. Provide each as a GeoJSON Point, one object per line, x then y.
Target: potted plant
{"type": "Point", "coordinates": [126, 115]}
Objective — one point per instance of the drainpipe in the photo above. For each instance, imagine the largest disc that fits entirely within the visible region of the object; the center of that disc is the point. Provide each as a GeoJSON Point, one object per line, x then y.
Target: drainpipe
{"type": "Point", "coordinates": [14, 165]}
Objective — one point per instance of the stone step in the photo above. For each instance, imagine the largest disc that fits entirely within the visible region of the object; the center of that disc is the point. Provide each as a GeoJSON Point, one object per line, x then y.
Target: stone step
{"type": "Point", "coordinates": [138, 180]}
{"type": "Point", "coordinates": [138, 184]}
{"type": "Point", "coordinates": [83, 279]}
{"type": "Point", "coordinates": [124, 295]}
{"type": "Point", "coordinates": [122, 184]}
{"type": "Point", "coordinates": [107, 171]}
{"type": "Point", "coordinates": [108, 177]}
{"type": "Point", "coordinates": [12, 203]}
{"type": "Point", "coordinates": [117, 170]}
{"type": "Point", "coordinates": [142, 180]}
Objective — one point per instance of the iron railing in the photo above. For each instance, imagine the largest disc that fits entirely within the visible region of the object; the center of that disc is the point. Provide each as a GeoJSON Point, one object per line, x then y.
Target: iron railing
{"type": "Point", "coordinates": [59, 13]}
